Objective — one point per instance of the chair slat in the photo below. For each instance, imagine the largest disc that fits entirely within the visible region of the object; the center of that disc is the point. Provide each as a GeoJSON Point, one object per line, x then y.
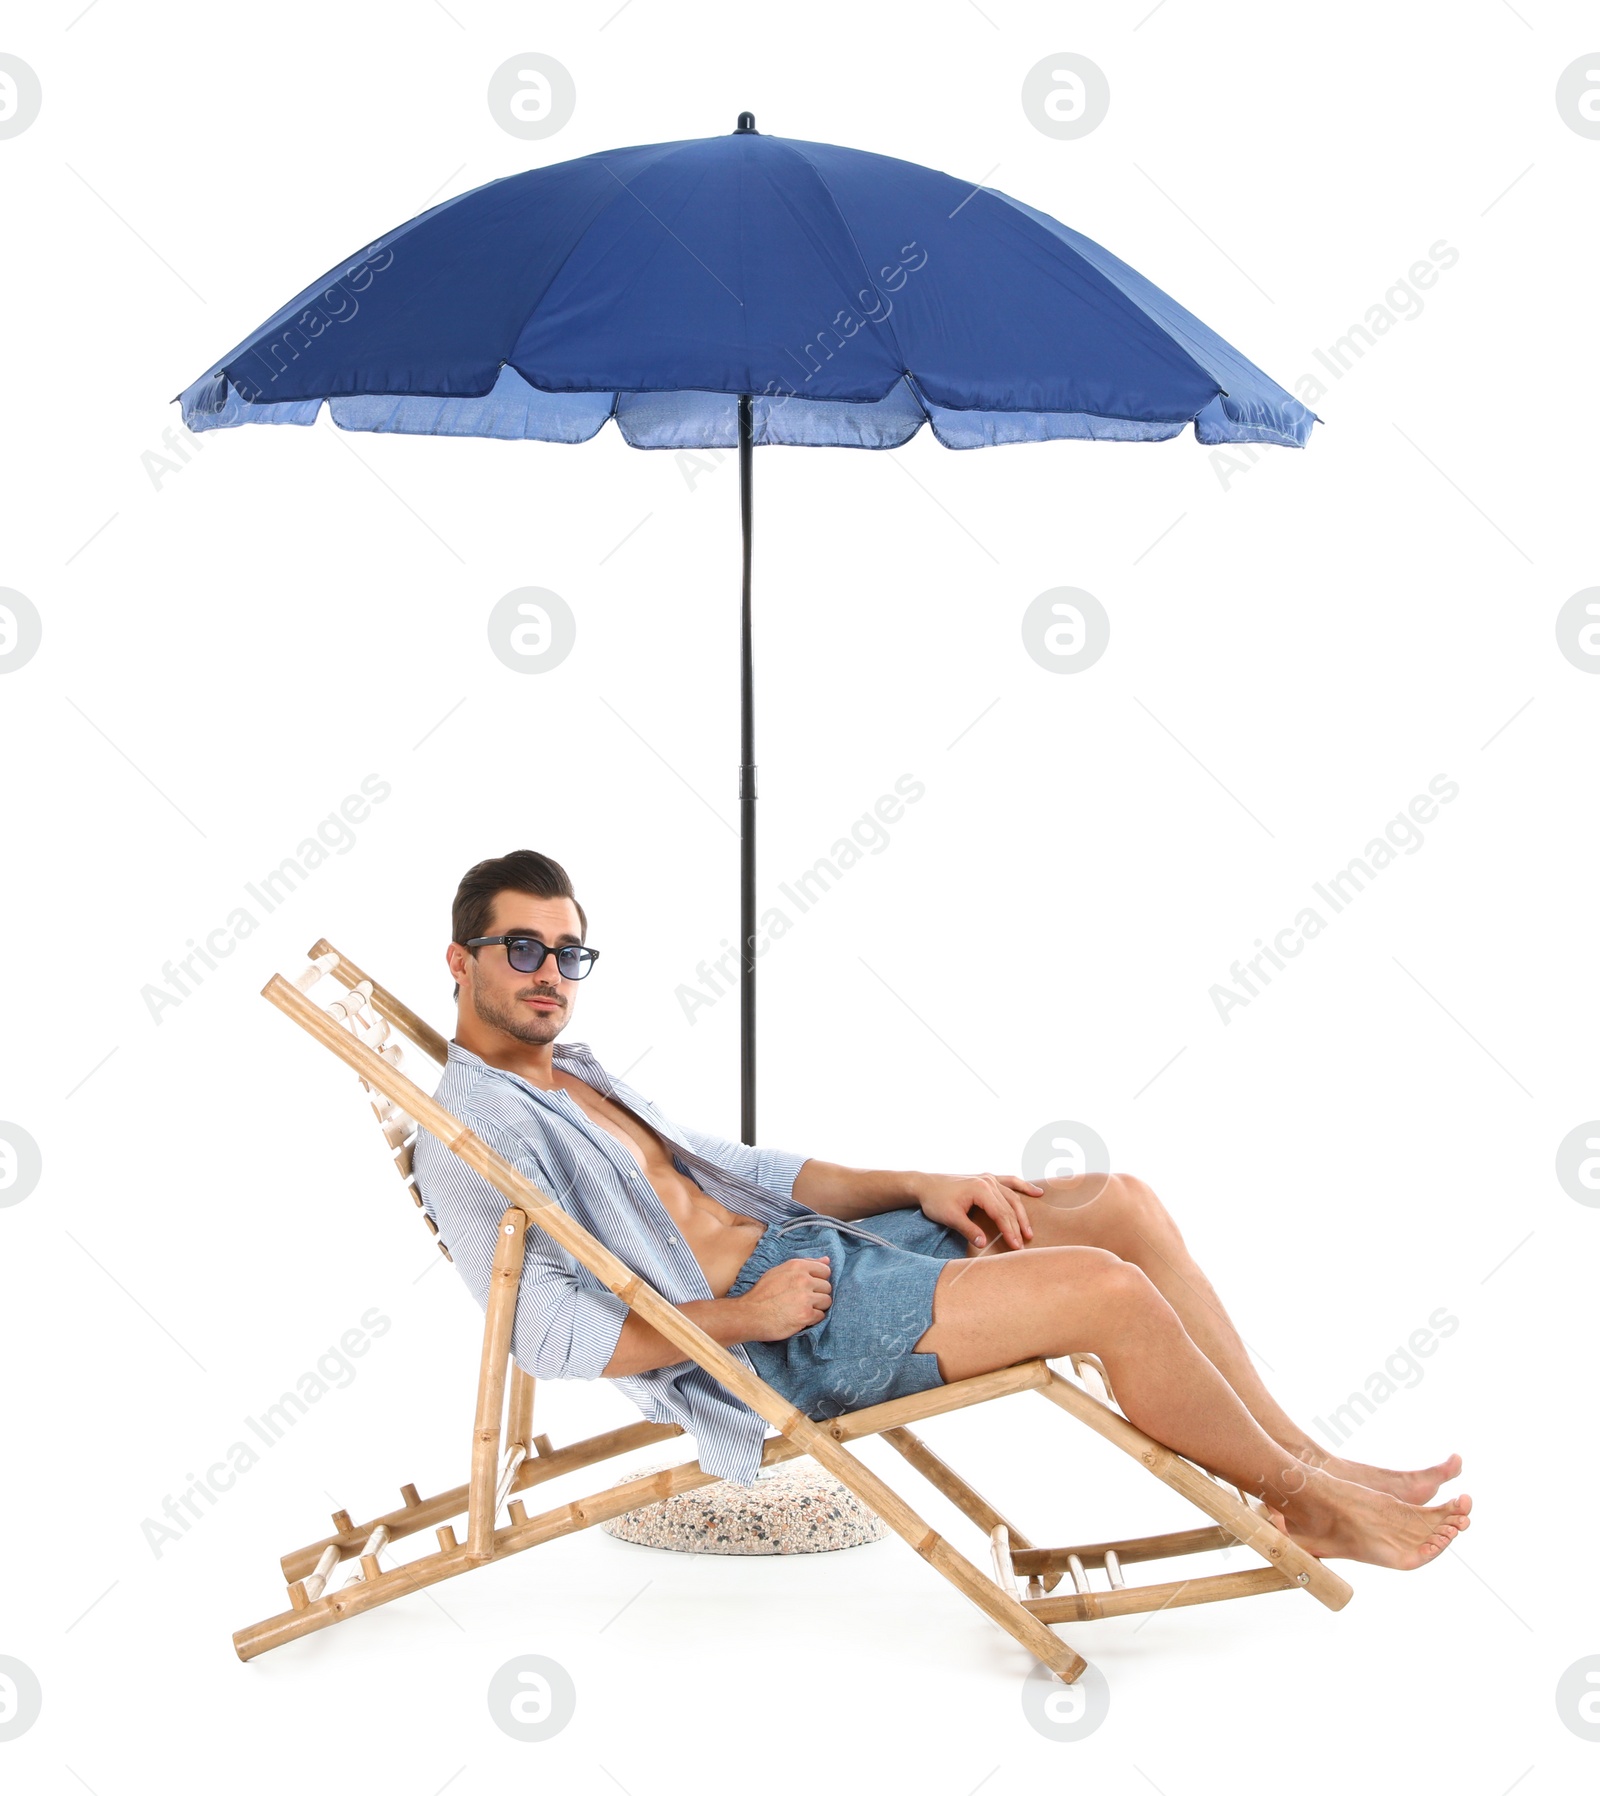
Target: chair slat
{"type": "Point", "coordinates": [375, 1018]}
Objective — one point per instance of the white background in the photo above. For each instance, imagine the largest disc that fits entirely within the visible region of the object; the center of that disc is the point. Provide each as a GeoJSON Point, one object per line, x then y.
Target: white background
{"type": "Point", "coordinates": [1297, 647]}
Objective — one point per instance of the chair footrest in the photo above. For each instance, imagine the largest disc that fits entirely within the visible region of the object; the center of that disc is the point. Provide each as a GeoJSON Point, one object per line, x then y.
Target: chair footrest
{"type": "Point", "coordinates": [1132, 1599]}
{"type": "Point", "coordinates": [1034, 1561]}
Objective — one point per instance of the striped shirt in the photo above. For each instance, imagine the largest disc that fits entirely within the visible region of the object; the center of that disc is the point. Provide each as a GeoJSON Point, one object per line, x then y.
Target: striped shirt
{"type": "Point", "coordinates": [567, 1323]}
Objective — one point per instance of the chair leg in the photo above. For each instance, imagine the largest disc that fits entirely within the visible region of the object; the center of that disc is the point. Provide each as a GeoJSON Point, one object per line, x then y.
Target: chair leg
{"type": "Point", "coordinates": [420, 1514]}
{"type": "Point", "coordinates": [1248, 1528]}
{"type": "Point", "coordinates": [519, 1409]}
{"type": "Point", "coordinates": [500, 1312]}
{"type": "Point", "coordinates": [949, 1483]}
{"type": "Point", "coordinates": [585, 1512]}
{"type": "Point", "coordinates": [1000, 1605]}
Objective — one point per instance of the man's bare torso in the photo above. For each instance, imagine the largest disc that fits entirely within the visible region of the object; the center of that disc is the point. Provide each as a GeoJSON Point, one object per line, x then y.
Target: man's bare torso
{"type": "Point", "coordinates": [719, 1238]}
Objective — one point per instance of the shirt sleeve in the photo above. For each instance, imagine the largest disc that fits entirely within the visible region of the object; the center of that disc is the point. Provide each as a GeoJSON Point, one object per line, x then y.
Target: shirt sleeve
{"type": "Point", "coordinates": [773, 1168]}
{"type": "Point", "coordinates": [567, 1323]}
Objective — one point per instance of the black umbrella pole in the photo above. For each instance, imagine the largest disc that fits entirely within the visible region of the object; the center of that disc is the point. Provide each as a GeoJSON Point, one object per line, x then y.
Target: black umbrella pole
{"type": "Point", "coordinates": [747, 808]}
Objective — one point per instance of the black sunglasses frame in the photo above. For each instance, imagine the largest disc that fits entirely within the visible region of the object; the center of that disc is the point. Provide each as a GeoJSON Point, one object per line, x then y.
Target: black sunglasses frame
{"type": "Point", "coordinates": [545, 951]}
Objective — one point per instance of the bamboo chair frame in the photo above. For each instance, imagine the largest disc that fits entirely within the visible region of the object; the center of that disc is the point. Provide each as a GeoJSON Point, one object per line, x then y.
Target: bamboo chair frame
{"type": "Point", "coordinates": [1017, 1596]}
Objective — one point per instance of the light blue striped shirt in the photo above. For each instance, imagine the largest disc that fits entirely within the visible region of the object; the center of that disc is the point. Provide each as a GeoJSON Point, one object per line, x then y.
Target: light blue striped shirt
{"type": "Point", "coordinates": [567, 1322]}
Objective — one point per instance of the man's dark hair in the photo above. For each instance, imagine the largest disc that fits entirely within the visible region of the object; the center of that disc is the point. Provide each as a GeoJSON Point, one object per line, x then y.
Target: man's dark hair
{"type": "Point", "coordinates": [524, 870]}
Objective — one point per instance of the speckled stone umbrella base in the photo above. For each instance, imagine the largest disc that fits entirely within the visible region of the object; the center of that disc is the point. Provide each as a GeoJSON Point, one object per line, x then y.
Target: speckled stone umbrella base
{"type": "Point", "coordinates": [793, 1508]}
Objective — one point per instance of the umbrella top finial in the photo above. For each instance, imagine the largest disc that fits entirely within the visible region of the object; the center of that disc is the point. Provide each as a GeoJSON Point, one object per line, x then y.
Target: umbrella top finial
{"type": "Point", "coordinates": [747, 122]}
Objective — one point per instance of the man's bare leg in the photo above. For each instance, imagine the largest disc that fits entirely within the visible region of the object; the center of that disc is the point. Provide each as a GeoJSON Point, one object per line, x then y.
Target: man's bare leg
{"type": "Point", "coordinates": [993, 1311]}
{"type": "Point", "coordinates": [1120, 1213]}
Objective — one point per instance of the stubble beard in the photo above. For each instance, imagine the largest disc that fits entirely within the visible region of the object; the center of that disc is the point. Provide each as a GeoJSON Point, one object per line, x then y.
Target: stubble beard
{"type": "Point", "coordinates": [515, 1019]}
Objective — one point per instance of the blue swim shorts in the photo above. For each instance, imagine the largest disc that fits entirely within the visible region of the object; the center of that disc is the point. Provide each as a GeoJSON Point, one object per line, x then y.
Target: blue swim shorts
{"type": "Point", "coordinates": [861, 1350]}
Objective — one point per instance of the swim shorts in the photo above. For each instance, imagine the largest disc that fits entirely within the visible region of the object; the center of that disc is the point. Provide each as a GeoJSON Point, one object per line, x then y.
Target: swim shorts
{"type": "Point", "coordinates": [861, 1351]}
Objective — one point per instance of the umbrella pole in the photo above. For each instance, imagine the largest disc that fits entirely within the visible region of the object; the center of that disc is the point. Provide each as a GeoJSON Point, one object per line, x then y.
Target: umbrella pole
{"type": "Point", "coordinates": [747, 807]}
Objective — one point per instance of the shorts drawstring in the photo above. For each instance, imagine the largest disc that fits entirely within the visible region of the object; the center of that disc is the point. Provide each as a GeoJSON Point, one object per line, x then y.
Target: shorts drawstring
{"type": "Point", "coordinates": [837, 1222]}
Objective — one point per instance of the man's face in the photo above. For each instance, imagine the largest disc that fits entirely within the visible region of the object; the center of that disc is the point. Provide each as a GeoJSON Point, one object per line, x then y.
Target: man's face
{"type": "Point", "coordinates": [532, 1007]}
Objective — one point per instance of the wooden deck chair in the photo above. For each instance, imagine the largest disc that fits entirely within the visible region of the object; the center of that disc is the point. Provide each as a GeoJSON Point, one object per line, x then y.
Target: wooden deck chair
{"type": "Point", "coordinates": [362, 1026]}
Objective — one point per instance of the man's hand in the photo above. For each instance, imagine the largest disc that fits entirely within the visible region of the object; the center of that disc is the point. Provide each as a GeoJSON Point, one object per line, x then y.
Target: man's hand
{"type": "Point", "coordinates": [947, 1197]}
{"type": "Point", "coordinates": [786, 1298]}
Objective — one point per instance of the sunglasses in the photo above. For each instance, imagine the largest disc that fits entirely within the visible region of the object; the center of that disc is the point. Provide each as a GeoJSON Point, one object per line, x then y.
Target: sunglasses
{"type": "Point", "coordinates": [526, 954]}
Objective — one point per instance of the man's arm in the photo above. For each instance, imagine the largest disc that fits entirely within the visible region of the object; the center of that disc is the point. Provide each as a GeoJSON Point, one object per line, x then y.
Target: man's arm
{"type": "Point", "coordinates": [566, 1327]}
{"type": "Point", "coordinates": [847, 1192]}
{"type": "Point", "coordinates": [786, 1298]}
{"type": "Point", "coordinates": [566, 1324]}
{"type": "Point", "coordinates": [641, 1348]}
{"type": "Point", "coordinates": [852, 1192]}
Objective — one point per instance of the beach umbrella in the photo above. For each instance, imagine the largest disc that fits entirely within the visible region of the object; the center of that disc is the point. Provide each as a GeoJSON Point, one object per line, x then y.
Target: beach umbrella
{"type": "Point", "coordinates": [743, 291]}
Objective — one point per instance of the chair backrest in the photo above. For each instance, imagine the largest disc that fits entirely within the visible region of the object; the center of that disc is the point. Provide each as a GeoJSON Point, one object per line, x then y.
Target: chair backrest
{"type": "Point", "coordinates": [378, 1019]}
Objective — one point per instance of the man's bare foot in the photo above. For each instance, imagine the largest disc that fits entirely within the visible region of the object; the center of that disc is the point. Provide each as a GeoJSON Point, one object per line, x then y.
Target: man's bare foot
{"type": "Point", "coordinates": [1409, 1487]}
{"type": "Point", "coordinates": [1336, 1519]}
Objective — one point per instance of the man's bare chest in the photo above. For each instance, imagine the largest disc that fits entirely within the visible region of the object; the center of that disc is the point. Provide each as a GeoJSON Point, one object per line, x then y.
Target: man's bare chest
{"type": "Point", "coordinates": [636, 1135]}
{"type": "Point", "coordinates": [720, 1238]}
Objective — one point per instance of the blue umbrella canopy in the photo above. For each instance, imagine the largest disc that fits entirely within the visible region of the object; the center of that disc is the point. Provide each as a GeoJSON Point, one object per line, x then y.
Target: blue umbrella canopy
{"type": "Point", "coordinates": [743, 290]}
{"type": "Point", "coordinates": [853, 296]}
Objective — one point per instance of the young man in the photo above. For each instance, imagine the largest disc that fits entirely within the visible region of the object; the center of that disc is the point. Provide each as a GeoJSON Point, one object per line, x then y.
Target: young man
{"type": "Point", "coordinates": [842, 1288]}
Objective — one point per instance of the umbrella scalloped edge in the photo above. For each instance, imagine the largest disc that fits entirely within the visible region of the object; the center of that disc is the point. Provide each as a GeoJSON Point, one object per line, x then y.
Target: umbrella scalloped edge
{"type": "Point", "coordinates": [516, 410]}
